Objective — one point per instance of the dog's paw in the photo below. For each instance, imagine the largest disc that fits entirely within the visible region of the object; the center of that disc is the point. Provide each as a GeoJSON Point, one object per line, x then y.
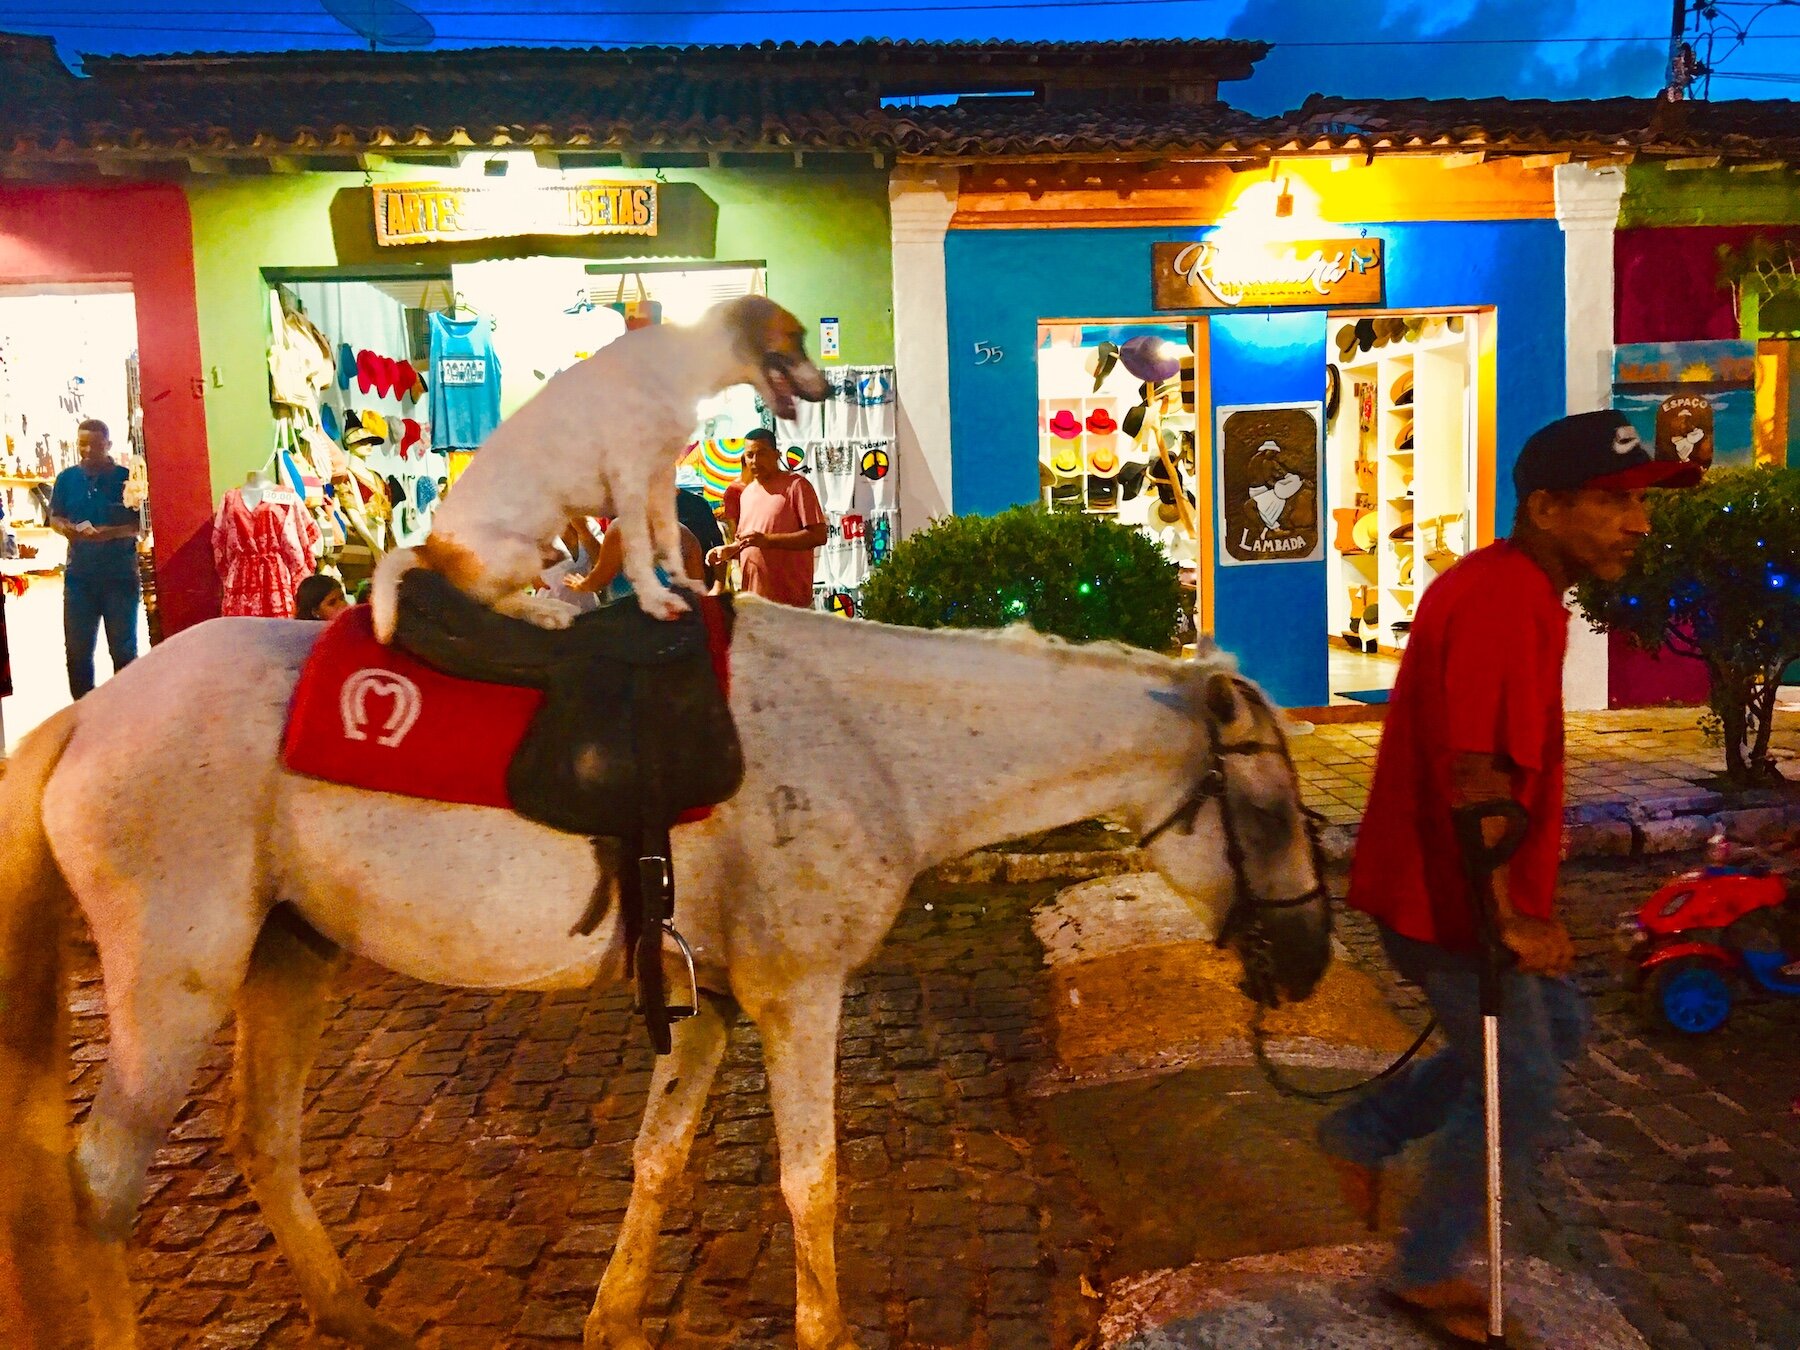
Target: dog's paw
{"type": "Point", "coordinates": [543, 610]}
{"type": "Point", "coordinates": [662, 603]}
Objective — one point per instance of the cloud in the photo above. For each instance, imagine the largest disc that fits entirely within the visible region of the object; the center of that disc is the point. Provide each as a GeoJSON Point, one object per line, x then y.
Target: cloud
{"type": "Point", "coordinates": [1379, 66]}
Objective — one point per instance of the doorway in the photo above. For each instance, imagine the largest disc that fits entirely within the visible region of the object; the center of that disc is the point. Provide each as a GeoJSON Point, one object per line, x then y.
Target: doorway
{"type": "Point", "coordinates": [67, 354]}
{"type": "Point", "coordinates": [1118, 433]}
{"type": "Point", "coordinates": [1402, 393]}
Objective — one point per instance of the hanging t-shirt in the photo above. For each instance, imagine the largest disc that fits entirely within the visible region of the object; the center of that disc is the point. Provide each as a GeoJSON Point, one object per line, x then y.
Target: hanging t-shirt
{"type": "Point", "coordinates": [465, 382]}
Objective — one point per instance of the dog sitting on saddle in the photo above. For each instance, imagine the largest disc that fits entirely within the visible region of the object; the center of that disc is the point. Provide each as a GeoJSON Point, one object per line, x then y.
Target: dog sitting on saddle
{"type": "Point", "coordinates": [601, 438]}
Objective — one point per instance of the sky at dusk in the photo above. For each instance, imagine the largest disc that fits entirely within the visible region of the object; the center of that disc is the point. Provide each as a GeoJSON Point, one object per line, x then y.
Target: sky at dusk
{"type": "Point", "coordinates": [1521, 48]}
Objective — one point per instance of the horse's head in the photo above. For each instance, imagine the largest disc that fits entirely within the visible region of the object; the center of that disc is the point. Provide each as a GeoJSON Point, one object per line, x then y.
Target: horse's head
{"type": "Point", "coordinates": [1230, 832]}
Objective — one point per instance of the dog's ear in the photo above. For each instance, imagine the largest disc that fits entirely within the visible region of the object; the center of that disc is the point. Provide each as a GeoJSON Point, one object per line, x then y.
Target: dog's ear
{"type": "Point", "coordinates": [761, 326]}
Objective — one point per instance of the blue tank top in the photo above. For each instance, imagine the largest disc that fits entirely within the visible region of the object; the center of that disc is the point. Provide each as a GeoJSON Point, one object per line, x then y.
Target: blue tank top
{"type": "Point", "coordinates": [465, 382]}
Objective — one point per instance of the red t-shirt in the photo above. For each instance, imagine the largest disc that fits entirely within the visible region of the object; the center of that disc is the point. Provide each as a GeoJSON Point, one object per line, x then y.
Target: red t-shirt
{"type": "Point", "coordinates": [1482, 675]}
{"type": "Point", "coordinates": [784, 575]}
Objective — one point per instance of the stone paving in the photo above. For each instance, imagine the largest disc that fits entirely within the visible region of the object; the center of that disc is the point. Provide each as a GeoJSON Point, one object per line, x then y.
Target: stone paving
{"type": "Point", "coordinates": [471, 1154]}
{"type": "Point", "coordinates": [1630, 753]}
{"type": "Point", "coordinates": [1676, 1187]}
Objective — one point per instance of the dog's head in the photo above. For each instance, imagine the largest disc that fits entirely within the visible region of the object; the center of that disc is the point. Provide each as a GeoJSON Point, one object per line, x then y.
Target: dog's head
{"type": "Point", "coordinates": [773, 345]}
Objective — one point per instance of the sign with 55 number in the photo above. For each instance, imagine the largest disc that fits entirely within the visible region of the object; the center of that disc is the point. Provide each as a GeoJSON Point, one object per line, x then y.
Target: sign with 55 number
{"type": "Point", "coordinates": [987, 354]}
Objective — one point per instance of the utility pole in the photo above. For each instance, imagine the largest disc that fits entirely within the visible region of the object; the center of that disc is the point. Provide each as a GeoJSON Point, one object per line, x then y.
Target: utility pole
{"type": "Point", "coordinates": [1679, 70]}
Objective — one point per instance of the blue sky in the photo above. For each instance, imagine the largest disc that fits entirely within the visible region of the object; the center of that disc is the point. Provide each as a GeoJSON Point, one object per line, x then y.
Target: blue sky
{"type": "Point", "coordinates": [1521, 48]}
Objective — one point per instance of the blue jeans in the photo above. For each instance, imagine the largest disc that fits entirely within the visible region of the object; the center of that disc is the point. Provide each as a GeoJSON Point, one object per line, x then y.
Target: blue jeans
{"type": "Point", "coordinates": [89, 601]}
{"type": "Point", "coordinates": [1542, 1025]}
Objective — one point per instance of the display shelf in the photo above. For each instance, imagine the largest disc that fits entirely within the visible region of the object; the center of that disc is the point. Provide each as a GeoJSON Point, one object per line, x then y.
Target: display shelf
{"type": "Point", "coordinates": [1403, 487]}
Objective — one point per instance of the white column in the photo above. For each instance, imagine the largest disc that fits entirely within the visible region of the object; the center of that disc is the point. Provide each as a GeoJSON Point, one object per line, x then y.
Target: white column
{"type": "Point", "coordinates": [921, 201]}
{"type": "Point", "coordinates": [1587, 208]}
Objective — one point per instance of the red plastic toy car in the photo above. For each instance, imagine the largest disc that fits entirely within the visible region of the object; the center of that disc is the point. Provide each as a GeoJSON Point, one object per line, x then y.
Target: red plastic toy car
{"type": "Point", "coordinates": [1706, 934]}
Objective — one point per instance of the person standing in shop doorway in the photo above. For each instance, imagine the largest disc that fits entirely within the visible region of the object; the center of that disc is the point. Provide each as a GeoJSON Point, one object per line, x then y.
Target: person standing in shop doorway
{"type": "Point", "coordinates": [780, 526]}
{"type": "Point", "coordinates": [1477, 715]}
{"type": "Point", "coordinates": [100, 582]}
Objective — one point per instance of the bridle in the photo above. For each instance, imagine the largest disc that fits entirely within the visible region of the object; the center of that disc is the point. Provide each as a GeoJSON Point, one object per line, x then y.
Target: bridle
{"type": "Point", "coordinates": [1244, 920]}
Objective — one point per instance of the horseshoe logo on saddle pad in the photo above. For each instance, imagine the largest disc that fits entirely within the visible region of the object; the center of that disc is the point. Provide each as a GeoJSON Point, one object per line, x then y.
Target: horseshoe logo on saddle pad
{"type": "Point", "coordinates": [353, 704]}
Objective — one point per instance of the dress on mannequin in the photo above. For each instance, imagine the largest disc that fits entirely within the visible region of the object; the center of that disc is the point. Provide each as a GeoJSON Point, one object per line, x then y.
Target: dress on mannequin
{"type": "Point", "coordinates": [264, 541]}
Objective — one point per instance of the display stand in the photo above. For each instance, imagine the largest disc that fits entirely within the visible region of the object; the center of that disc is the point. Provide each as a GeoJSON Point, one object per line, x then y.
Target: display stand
{"type": "Point", "coordinates": [1406, 417]}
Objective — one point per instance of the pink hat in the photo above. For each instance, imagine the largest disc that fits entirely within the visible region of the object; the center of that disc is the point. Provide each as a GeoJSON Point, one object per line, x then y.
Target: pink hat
{"type": "Point", "coordinates": [1065, 426]}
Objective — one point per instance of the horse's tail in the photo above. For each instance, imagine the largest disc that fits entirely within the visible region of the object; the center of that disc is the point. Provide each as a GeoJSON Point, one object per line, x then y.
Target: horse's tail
{"type": "Point", "coordinates": [36, 1194]}
{"type": "Point", "coordinates": [384, 589]}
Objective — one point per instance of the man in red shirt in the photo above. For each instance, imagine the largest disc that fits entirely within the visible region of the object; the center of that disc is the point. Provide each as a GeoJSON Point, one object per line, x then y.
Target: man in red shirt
{"type": "Point", "coordinates": [779, 528]}
{"type": "Point", "coordinates": [1477, 714]}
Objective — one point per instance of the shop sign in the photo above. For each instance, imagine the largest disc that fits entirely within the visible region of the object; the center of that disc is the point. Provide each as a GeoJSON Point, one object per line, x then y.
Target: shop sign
{"type": "Point", "coordinates": [1693, 401]}
{"type": "Point", "coordinates": [1240, 273]}
{"type": "Point", "coordinates": [435, 213]}
{"type": "Point", "coordinates": [1270, 509]}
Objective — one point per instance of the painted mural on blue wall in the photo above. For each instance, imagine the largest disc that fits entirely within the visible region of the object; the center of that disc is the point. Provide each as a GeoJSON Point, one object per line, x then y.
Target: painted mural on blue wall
{"type": "Point", "coordinates": [1002, 283]}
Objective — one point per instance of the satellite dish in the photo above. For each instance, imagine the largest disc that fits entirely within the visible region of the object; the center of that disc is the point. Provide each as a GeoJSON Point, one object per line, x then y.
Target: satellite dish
{"type": "Point", "coordinates": [385, 23]}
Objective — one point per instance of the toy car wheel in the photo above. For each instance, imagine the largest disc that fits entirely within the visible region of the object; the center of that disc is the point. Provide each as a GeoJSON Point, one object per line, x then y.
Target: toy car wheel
{"type": "Point", "coordinates": [1692, 995]}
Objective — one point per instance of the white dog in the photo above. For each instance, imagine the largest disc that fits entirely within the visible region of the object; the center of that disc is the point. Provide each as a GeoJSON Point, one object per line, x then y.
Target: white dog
{"type": "Point", "coordinates": [601, 438]}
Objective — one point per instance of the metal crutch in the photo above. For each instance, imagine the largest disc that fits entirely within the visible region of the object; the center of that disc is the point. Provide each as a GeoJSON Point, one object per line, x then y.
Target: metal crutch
{"type": "Point", "coordinates": [1480, 861]}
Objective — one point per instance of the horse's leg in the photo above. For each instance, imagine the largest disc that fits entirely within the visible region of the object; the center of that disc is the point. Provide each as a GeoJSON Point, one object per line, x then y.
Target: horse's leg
{"type": "Point", "coordinates": [161, 1016]}
{"type": "Point", "coordinates": [799, 1031]}
{"type": "Point", "coordinates": [281, 1013]}
{"type": "Point", "coordinates": [678, 1088]}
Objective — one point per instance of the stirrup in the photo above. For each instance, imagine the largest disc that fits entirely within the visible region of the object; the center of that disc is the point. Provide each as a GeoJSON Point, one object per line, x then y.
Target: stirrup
{"type": "Point", "coordinates": [679, 1012]}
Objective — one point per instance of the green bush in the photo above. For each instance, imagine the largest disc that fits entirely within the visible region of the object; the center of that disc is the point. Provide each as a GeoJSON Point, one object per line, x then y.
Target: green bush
{"type": "Point", "coordinates": [1077, 576]}
{"type": "Point", "coordinates": [1719, 578]}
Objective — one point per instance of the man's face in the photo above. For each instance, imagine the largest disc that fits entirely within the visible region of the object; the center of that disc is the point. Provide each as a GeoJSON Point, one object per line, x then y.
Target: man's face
{"type": "Point", "coordinates": [1597, 531]}
{"type": "Point", "coordinates": [765, 459]}
{"type": "Point", "coordinates": [93, 444]}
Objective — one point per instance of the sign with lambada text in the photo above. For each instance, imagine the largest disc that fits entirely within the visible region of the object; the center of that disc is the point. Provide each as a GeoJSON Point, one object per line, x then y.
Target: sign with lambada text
{"type": "Point", "coordinates": [1238, 273]}
{"type": "Point", "coordinates": [437, 213]}
{"type": "Point", "coordinates": [1270, 457]}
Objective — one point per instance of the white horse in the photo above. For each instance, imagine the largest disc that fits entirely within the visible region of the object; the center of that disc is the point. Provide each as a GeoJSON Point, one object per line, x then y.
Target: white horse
{"type": "Point", "coordinates": [872, 753]}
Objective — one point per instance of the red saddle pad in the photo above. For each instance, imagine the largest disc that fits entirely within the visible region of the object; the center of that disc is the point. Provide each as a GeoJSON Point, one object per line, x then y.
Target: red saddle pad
{"type": "Point", "coordinates": [373, 717]}
{"type": "Point", "coordinates": [377, 718]}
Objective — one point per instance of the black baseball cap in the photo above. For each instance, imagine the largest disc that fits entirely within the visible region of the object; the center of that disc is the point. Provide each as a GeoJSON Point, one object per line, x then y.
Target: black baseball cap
{"type": "Point", "coordinates": [1595, 450]}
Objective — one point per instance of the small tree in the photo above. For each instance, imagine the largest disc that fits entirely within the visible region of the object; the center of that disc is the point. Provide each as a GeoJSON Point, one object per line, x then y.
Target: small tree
{"type": "Point", "coordinates": [1077, 576]}
{"type": "Point", "coordinates": [1719, 579]}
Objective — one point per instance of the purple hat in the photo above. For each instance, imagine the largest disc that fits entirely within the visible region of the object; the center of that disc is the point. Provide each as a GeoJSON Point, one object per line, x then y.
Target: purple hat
{"type": "Point", "coordinates": [1151, 358]}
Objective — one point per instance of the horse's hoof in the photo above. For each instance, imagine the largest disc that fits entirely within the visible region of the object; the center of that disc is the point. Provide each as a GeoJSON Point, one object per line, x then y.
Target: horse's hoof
{"type": "Point", "coordinates": [600, 1334]}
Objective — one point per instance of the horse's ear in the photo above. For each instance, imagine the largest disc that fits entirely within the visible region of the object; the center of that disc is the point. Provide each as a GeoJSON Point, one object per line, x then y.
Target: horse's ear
{"type": "Point", "coordinates": [1222, 700]}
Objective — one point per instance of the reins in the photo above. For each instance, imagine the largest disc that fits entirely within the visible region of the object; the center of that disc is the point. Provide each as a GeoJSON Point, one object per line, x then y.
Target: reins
{"type": "Point", "coordinates": [1244, 919]}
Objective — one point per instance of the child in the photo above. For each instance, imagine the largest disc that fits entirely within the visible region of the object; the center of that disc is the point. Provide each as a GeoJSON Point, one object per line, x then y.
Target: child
{"type": "Point", "coordinates": [319, 597]}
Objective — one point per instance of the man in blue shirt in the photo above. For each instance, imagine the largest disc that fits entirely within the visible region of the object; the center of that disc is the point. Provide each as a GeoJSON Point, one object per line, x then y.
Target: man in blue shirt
{"type": "Point", "coordinates": [100, 583]}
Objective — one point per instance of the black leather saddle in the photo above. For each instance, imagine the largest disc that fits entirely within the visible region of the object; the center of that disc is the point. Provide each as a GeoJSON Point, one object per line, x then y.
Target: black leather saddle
{"type": "Point", "coordinates": [634, 731]}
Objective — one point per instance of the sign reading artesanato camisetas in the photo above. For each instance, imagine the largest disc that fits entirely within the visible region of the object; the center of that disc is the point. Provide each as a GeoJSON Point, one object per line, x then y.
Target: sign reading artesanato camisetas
{"type": "Point", "coordinates": [1266, 274]}
{"type": "Point", "coordinates": [434, 213]}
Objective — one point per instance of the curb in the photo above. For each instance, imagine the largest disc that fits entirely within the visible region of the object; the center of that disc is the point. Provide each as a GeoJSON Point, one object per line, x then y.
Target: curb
{"type": "Point", "coordinates": [1637, 828]}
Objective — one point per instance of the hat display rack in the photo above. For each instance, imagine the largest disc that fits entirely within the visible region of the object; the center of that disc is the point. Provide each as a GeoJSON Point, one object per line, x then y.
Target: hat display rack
{"type": "Point", "coordinates": [1398, 474]}
{"type": "Point", "coordinates": [1097, 438]}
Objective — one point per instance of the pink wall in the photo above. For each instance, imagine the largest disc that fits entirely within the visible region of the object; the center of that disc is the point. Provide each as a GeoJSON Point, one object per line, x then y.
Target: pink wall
{"type": "Point", "coordinates": [1665, 289]}
{"type": "Point", "coordinates": [139, 234]}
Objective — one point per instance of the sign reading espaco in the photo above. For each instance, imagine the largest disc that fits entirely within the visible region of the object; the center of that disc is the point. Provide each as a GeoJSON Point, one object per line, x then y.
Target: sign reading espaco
{"type": "Point", "coordinates": [1266, 274]}
{"type": "Point", "coordinates": [433, 213]}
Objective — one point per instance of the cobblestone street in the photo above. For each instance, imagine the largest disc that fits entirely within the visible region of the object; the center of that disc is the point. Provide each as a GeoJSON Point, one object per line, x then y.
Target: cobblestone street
{"type": "Point", "coordinates": [471, 1153]}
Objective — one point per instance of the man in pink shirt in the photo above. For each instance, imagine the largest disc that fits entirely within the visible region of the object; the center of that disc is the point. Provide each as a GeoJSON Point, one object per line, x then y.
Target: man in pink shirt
{"type": "Point", "coordinates": [779, 527]}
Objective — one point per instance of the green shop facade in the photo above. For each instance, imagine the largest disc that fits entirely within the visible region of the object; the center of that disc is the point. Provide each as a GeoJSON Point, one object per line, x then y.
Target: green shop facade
{"type": "Point", "coordinates": [540, 248]}
{"type": "Point", "coordinates": [346, 210]}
